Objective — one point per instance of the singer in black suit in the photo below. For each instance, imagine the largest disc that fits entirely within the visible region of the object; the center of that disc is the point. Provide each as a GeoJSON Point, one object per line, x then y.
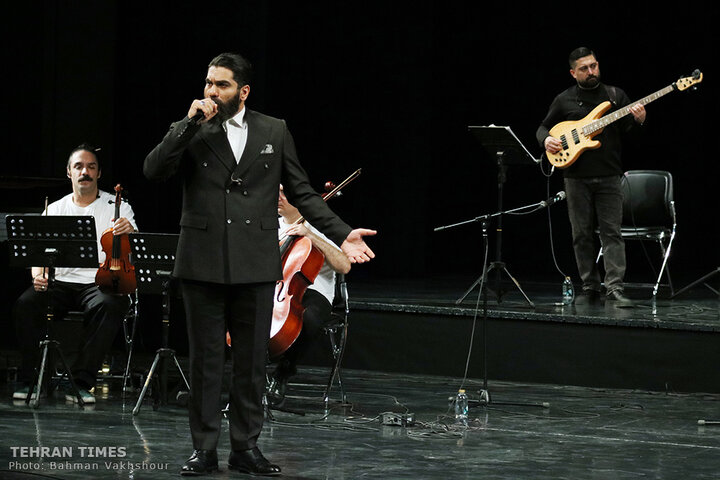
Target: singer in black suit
{"type": "Point", "coordinates": [232, 161]}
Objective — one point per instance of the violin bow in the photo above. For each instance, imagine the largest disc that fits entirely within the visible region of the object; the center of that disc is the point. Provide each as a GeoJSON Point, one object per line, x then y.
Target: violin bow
{"type": "Point", "coordinates": [330, 195]}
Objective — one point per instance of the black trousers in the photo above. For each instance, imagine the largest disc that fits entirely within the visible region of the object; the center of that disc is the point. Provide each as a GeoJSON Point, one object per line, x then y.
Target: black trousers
{"type": "Point", "coordinates": [315, 317]}
{"type": "Point", "coordinates": [102, 317]}
{"type": "Point", "coordinates": [597, 201]}
{"type": "Point", "coordinates": [244, 310]}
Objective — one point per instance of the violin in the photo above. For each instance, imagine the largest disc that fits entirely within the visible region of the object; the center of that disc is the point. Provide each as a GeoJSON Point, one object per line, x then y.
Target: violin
{"type": "Point", "coordinates": [117, 274]}
{"type": "Point", "coordinates": [301, 263]}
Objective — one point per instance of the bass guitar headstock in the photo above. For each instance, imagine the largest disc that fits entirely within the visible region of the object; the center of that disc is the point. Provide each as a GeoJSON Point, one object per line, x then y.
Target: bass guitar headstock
{"type": "Point", "coordinates": [687, 82]}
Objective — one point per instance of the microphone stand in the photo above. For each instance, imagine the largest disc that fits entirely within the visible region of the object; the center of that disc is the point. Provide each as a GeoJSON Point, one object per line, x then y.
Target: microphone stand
{"type": "Point", "coordinates": [484, 220]}
{"type": "Point", "coordinates": [496, 265]}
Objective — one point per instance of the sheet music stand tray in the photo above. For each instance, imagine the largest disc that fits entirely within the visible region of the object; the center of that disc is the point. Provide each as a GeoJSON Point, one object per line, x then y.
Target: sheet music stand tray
{"type": "Point", "coordinates": [154, 259]}
{"type": "Point", "coordinates": [507, 149]}
{"type": "Point", "coordinates": [51, 241]}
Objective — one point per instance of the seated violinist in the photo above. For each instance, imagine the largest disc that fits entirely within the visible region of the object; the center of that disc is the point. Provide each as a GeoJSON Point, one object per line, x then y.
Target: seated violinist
{"type": "Point", "coordinates": [75, 288]}
{"type": "Point", "coordinates": [317, 299]}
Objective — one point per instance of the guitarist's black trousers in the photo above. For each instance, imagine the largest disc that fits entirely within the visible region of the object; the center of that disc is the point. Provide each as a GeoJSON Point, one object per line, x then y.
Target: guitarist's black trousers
{"type": "Point", "coordinates": [597, 201]}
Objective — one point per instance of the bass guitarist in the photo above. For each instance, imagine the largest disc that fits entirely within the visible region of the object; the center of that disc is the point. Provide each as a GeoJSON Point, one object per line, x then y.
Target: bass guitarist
{"type": "Point", "coordinates": [593, 182]}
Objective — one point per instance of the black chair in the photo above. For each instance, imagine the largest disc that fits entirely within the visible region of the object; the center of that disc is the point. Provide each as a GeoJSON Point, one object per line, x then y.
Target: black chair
{"type": "Point", "coordinates": [649, 213]}
{"type": "Point", "coordinates": [336, 329]}
{"type": "Point", "coordinates": [129, 326]}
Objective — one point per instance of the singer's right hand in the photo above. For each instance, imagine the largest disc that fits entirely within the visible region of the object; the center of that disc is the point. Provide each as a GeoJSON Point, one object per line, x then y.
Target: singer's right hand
{"type": "Point", "coordinates": [206, 106]}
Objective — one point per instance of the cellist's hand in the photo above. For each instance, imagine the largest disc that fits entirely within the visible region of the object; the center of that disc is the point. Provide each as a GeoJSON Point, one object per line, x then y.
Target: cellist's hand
{"type": "Point", "coordinates": [299, 230]}
{"type": "Point", "coordinates": [355, 247]}
{"type": "Point", "coordinates": [121, 226]}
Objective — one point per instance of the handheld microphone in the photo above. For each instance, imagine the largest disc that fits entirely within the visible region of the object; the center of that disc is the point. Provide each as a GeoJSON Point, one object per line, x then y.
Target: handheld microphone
{"type": "Point", "coordinates": [558, 196]}
{"type": "Point", "coordinates": [197, 117]}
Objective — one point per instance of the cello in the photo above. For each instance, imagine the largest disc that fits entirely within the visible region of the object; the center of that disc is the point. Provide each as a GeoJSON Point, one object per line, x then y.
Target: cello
{"type": "Point", "coordinates": [117, 274]}
{"type": "Point", "coordinates": [301, 263]}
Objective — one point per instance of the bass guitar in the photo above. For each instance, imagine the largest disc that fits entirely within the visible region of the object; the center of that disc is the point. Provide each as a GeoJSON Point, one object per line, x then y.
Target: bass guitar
{"type": "Point", "coordinates": [577, 136]}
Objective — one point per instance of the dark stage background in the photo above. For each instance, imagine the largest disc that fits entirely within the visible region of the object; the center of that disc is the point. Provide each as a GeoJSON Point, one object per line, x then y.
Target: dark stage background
{"type": "Point", "coordinates": [390, 87]}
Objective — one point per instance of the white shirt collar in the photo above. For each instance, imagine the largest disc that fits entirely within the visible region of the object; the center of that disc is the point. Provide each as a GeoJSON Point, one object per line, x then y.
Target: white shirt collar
{"type": "Point", "coordinates": [237, 121]}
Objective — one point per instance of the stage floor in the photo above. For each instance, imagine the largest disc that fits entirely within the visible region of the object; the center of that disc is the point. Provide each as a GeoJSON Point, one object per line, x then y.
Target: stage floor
{"type": "Point", "coordinates": [697, 309]}
{"type": "Point", "coordinates": [580, 433]}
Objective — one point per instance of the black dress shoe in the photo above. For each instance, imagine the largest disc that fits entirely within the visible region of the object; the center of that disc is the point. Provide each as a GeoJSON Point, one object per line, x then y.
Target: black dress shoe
{"type": "Point", "coordinates": [276, 392]}
{"type": "Point", "coordinates": [588, 297]}
{"type": "Point", "coordinates": [620, 300]}
{"type": "Point", "coordinates": [200, 463]}
{"type": "Point", "coordinates": [253, 462]}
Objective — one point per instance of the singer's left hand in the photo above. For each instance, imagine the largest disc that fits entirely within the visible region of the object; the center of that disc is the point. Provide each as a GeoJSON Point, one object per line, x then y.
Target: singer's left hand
{"type": "Point", "coordinates": [355, 247]}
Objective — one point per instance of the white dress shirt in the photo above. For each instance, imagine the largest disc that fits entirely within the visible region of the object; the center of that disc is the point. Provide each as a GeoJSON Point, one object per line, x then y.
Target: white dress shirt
{"type": "Point", "coordinates": [236, 129]}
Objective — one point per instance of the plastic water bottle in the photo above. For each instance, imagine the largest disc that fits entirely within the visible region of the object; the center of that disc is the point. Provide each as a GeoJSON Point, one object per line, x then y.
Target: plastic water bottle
{"type": "Point", "coordinates": [568, 294]}
{"type": "Point", "coordinates": [461, 407]}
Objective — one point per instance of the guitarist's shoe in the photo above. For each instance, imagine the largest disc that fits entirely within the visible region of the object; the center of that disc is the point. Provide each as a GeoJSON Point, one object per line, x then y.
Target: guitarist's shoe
{"type": "Point", "coordinates": [620, 300]}
{"type": "Point", "coordinates": [588, 297]}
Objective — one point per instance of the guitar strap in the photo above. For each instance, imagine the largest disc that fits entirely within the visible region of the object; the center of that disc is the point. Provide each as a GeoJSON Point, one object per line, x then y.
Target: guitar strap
{"type": "Point", "coordinates": [612, 94]}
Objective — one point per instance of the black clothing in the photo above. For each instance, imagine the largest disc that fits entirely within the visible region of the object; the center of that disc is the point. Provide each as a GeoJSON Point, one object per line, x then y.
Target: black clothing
{"type": "Point", "coordinates": [574, 104]}
{"type": "Point", "coordinates": [103, 315]}
{"type": "Point", "coordinates": [593, 184]}
{"type": "Point", "coordinates": [228, 258]}
{"type": "Point", "coordinates": [315, 317]}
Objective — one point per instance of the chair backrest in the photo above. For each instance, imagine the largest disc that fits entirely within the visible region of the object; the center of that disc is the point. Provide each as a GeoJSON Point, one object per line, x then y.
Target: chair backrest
{"type": "Point", "coordinates": [340, 302]}
{"type": "Point", "coordinates": [648, 198]}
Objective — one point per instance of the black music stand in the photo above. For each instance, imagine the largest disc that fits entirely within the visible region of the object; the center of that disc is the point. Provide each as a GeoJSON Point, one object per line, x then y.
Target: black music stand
{"type": "Point", "coordinates": [507, 149]}
{"type": "Point", "coordinates": [154, 258]}
{"type": "Point", "coordinates": [51, 241]}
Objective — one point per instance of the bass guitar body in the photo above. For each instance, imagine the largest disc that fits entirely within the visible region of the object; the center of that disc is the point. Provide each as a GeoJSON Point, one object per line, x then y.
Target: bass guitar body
{"type": "Point", "coordinates": [574, 140]}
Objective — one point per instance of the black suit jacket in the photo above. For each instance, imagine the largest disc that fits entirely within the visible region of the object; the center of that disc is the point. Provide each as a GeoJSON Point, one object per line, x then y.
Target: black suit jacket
{"type": "Point", "coordinates": [229, 223]}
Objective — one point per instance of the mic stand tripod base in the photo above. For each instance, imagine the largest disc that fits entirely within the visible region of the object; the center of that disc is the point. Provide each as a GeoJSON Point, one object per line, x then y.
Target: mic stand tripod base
{"type": "Point", "coordinates": [500, 266]}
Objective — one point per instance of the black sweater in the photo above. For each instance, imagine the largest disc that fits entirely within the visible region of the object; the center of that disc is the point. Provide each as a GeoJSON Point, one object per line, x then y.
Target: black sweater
{"type": "Point", "coordinates": [574, 104]}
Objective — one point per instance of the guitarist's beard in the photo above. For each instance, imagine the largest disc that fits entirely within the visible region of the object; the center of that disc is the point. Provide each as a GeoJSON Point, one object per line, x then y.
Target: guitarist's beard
{"type": "Point", "coordinates": [590, 82]}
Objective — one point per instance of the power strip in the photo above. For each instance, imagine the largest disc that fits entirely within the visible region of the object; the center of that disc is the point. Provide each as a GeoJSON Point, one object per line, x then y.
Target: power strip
{"type": "Point", "coordinates": [398, 419]}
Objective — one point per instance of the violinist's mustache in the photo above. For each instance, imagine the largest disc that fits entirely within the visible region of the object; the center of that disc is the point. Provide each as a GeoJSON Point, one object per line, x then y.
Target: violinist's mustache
{"type": "Point", "coordinates": [85, 178]}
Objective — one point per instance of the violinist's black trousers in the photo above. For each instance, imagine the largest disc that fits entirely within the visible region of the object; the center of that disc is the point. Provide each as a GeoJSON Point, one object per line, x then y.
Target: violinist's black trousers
{"type": "Point", "coordinates": [102, 317]}
{"type": "Point", "coordinates": [245, 311]}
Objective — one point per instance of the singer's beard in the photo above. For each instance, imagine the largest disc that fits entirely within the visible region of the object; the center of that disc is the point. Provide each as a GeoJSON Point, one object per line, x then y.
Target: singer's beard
{"type": "Point", "coordinates": [226, 110]}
